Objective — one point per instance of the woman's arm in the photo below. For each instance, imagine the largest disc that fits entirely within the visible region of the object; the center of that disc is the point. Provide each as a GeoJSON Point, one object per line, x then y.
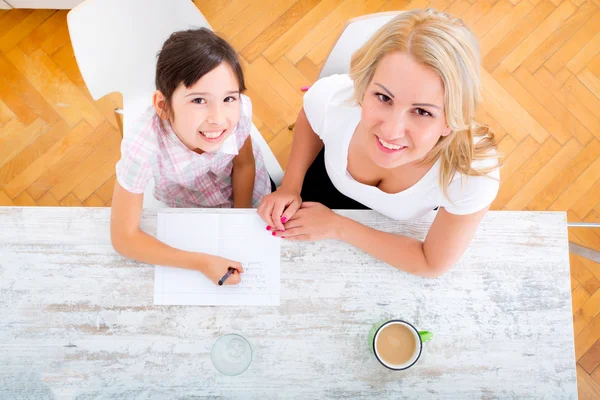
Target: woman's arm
{"type": "Point", "coordinates": [242, 176]}
{"type": "Point", "coordinates": [130, 241]}
{"type": "Point", "coordinates": [305, 147]}
{"type": "Point", "coordinates": [284, 203]}
{"type": "Point", "coordinates": [446, 241]}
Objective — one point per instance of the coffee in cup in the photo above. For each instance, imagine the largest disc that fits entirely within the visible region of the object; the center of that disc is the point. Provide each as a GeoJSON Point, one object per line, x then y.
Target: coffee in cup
{"type": "Point", "coordinates": [397, 344]}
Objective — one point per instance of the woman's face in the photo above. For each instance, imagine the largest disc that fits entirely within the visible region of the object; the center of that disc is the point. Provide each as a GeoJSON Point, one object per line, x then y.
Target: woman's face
{"type": "Point", "coordinates": [402, 112]}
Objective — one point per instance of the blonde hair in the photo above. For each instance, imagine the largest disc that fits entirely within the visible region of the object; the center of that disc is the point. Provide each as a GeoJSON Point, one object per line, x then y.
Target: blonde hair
{"type": "Point", "coordinates": [448, 46]}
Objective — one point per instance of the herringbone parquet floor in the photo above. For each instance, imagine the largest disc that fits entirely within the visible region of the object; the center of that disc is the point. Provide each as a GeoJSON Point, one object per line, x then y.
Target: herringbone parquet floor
{"type": "Point", "coordinates": [541, 74]}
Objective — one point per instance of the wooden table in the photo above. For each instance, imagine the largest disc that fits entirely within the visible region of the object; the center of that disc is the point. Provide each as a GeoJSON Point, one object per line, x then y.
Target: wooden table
{"type": "Point", "coordinates": [77, 319]}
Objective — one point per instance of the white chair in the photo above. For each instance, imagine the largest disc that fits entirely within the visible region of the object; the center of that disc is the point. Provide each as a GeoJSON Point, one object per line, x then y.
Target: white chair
{"type": "Point", "coordinates": [356, 33]}
{"type": "Point", "coordinates": [115, 44]}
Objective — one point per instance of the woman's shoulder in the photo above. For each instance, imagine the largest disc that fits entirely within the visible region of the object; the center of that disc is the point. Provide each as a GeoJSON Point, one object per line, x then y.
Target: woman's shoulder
{"type": "Point", "coordinates": [469, 193]}
{"type": "Point", "coordinates": [338, 88]}
{"type": "Point", "coordinates": [329, 99]}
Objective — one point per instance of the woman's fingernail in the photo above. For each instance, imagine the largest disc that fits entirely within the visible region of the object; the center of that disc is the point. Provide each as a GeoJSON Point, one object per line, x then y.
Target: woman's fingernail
{"type": "Point", "coordinates": [283, 237]}
{"type": "Point", "coordinates": [273, 233]}
{"type": "Point", "coordinates": [283, 219]}
{"type": "Point", "coordinates": [268, 228]}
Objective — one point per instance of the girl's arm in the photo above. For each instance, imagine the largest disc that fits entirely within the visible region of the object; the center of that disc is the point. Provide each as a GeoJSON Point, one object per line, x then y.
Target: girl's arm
{"type": "Point", "coordinates": [446, 241]}
{"type": "Point", "coordinates": [242, 176]}
{"type": "Point", "coordinates": [130, 241]}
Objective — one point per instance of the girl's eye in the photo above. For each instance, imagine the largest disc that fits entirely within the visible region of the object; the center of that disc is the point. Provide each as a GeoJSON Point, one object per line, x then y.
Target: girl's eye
{"type": "Point", "coordinates": [423, 113]}
{"type": "Point", "coordinates": [383, 98]}
{"type": "Point", "coordinates": [229, 99]}
{"type": "Point", "coordinates": [199, 100]}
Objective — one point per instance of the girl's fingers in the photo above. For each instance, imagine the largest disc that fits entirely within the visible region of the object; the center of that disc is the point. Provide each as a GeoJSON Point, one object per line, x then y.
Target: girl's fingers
{"type": "Point", "coordinates": [293, 223]}
{"type": "Point", "coordinates": [266, 212]}
{"type": "Point", "coordinates": [234, 279]}
{"type": "Point", "coordinates": [276, 215]}
{"type": "Point", "coordinates": [237, 266]}
{"type": "Point", "coordinates": [290, 211]}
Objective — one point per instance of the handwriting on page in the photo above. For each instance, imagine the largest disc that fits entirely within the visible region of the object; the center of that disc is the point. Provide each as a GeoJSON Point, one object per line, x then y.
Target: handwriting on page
{"type": "Point", "coordinates": [254, 277]}
{"type": "Point", "coordinates": [236, 237]}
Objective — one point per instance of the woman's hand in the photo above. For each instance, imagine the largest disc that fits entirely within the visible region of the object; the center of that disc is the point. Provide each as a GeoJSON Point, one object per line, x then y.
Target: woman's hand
{"type": "Point", "coordinates": [313, 221]}
{"type": "Point", "coordinates": [215, 267]}
{"type": "Point", "coordinates": [279, 207]}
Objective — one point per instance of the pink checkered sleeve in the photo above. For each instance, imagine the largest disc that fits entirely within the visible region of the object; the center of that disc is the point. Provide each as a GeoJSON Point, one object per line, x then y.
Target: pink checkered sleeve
{"type": "Point", "coordinates": [138, 152]}
{"type": "Point", "coordinates": [245, 124]}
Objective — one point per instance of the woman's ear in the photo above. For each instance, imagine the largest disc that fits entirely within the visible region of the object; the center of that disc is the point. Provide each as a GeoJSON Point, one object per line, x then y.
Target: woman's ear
{"type": "Point", "coordinates": [160, 105]}
{"type": "Point", "coordinates": [447, 130]}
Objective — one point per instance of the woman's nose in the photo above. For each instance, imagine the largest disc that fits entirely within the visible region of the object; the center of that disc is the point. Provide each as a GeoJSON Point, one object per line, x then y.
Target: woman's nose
{"type": "Point", "coordinates": [394, 127]}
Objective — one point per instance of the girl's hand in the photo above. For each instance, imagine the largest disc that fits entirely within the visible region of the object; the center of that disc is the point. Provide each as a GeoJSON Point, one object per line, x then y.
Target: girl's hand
{"type": "Point", "coordinates": [216, 267]}
{"type": "Point", "coordinates": [279, 207]}
{"type": "Point", "coordinates": [312, 222]}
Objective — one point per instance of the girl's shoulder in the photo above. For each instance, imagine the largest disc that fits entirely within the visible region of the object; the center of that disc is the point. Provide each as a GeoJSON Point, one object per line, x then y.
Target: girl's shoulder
{"type": "Point", "coordinates": [244, 125]}
{"type": "Point", "coordinates": [245, 106]}
{"type": "Point", "coordinates": [145, 134]}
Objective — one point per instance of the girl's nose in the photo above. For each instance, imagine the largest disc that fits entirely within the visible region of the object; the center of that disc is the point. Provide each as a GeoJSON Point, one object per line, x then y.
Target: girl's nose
{"type": "Point", "coordinates": [215, 115]}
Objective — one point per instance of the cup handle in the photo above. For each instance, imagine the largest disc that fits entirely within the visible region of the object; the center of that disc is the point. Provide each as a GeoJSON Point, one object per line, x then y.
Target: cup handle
{"type": "Point", "coordinates": [426, 336]}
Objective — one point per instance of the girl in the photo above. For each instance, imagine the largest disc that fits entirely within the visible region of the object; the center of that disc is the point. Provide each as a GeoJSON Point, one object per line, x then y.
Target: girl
{"type": "Point", "coordinates": [398, 136]}
{"type": "Point", "coordinates": [195, 143]}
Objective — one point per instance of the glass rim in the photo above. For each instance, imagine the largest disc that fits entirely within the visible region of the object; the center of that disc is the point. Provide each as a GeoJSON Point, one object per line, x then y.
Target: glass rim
{"type": "Point", "coordinates": [212, 352]}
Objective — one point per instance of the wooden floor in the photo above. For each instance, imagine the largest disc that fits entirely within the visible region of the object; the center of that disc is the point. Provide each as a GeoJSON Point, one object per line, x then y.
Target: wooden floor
{"type": "Point", "coordinates": [541, 79]}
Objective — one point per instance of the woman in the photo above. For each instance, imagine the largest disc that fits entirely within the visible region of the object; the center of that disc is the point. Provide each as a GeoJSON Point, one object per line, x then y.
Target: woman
{"type": "Point", "coordinates": [398, 136]}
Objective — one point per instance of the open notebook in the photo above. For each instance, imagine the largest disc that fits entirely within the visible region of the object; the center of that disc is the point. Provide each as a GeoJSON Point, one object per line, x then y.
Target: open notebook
{"type": "Point", "coordinates": [239, 237]}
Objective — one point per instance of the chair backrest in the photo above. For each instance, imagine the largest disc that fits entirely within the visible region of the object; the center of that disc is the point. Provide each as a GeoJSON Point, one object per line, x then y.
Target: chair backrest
{"type": "Point", "coordinates": [356, 33]}
{"type": "Point", "coordinates": [116, 42]}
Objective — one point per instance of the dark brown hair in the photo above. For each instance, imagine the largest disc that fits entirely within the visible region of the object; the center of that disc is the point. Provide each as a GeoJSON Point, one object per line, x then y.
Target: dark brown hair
{"type": "Point", "coordinates": [187, 56]}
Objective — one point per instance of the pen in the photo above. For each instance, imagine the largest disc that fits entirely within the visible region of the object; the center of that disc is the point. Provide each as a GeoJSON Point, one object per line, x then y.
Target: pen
{"type": "Point", "coordinates": [224, 278]}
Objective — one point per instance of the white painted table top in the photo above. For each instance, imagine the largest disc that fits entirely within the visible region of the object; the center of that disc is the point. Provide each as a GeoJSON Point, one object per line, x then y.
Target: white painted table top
{"type": "Point", "coordinates": [77, 320]}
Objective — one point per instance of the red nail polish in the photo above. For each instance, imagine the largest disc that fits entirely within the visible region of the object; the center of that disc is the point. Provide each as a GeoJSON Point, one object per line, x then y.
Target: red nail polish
{"type": "Point", "coordinates": [283, 237]}
{"type": "Point", "coordinates": [283, 219]}
{"type": "Point", "coordinates": [273, 233]}
{"type": "Point", "coordinates": [268, 228]}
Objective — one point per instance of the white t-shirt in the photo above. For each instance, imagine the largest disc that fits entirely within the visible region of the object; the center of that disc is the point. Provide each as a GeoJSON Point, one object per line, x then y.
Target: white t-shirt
{"type": "Point", "coordinates": [334, 118]}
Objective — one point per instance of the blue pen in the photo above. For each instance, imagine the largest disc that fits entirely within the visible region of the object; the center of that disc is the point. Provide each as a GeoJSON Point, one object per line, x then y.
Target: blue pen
{"type": "Point", "coordinates": [224, 278]}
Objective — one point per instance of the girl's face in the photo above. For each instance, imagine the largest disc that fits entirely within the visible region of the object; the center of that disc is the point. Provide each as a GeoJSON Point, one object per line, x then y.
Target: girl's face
{"type": "Point", "coordinates": [207, 112]}
{"type": "Point", "coordinates": [402, 112]}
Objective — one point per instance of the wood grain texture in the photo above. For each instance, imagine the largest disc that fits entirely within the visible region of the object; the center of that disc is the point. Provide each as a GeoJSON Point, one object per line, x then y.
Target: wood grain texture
{"type": "Point", "coordinates": [80, 319]}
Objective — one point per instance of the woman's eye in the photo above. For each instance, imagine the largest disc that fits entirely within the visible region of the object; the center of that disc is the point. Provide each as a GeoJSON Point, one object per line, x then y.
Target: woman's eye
{"type": "Point", "coordinates": [229, 99]}
{"type": "Point", "coordinates": [424, 113]}
{"type": "Point", "coordinates": [199, 100]}
{"type": "Point", "coordinates": [383, 98]}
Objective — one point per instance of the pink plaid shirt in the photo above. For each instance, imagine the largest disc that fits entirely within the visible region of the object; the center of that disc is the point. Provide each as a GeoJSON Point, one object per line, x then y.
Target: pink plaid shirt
{"type": "Point", "coordinates": [184, 178]}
